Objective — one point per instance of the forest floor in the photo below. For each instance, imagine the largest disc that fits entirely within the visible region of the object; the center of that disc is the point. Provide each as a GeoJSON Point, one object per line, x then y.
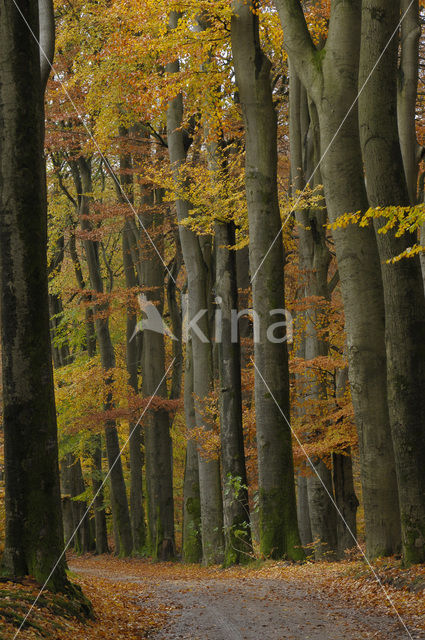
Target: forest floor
{"type": "Point", "coordinates": [136, 599]}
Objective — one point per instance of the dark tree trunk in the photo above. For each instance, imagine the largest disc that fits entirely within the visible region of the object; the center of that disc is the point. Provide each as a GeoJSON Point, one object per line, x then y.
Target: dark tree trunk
{"type": "Point", "coordinates": [137, 514]}
{"type": "Point", "coordinates": [237, 532]}
{"type": "Point", "coordinates": [192, 539]}
{"type": "Point", "coordinates": [98, 504]}
{"type": "Point", "coordinates": [279, 535]}
{"type": "Point", "coordinates": [403, 288]}
{"type": "Point", "coordinates": [303, 512]}
{"type": "Point", "coordinates": [158, 445]}
{"type": "Point", "coordinates": [346, 500]}
{"type": "Point", "coordinates": [330, 76]}
{"type": "Point", "coordinates": [34, 532]}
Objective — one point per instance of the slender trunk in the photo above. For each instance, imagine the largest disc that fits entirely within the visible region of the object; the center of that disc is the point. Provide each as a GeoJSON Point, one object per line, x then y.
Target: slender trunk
{"type": "Point", "coordinates": [279, 535]}
{"type": "Point", "coordinates": [314, 264]}
{"type": "Point", "coordinates": [237, 532]}
{"type": "Point", "coordinates": [192, 539]}
{"type": "Point", "coordinates": [34, 531]}
{"type": "Point", "coordinates": [98, 504]}
{"type": "Point", "coordinates": [137, 515]}
{"type": "Point", "coordinates": [331, 78]}
{"type": "Point", "coordinates": [158, 445]}
{"type": "Point", "coordinates": [303, 511]}
{"type": "Point", "coordinates": [403, 289]}
{"type": "Point", "coordinates": [118, 489]}
{"type": "Point", "coordinates": [95, 444]}
{"type": "Point", "coordinates": [346, 500]}
{"type": "Point", "coordinates": [345, 495]}
{"type": "Point", "coordinates": [209, 470]}
{"type": "Point", "coordinates": [408, 74]}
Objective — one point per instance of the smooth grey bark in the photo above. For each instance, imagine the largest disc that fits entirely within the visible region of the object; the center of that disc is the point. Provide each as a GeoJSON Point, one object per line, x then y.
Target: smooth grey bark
{"type": "Point", "coordinates": [46, 18]}
{"type": "Point", "coordinates": [34, 532]}
{"type": "Point", "coordinates": [408, 75]}
{"type": "Point", "coordinates": [158, 445]}
{"type": "Point", "coordinates": [331, 78]}
{"type": "Point", "coordinates": [119, 502]}
{"type": "Point", "coordinates": [209, 470]}
{"type": "Point", "coordinates": [278, 525]}
{"type": "Point", "coordinates": [192, 539]}
{"type": "Point", "coordinates": [403, 288]}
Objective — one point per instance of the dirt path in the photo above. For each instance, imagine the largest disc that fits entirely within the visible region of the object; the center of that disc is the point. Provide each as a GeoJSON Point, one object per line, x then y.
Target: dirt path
{"type": "Point", "coordinates": [253, 608]}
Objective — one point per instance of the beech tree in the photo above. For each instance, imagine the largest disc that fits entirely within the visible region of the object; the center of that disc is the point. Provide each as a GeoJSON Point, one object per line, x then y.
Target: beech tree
{"type": "Point", "coordinates": [330, 75]}
{"type": "Point", "coordinates": [277, 508]}
{"type": "Point", "coordinates": [34, 532]}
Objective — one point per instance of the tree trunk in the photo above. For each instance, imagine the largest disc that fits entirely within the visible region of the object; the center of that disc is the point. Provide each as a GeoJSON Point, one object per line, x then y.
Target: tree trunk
{"type": "Point", "coordinates": [237, 532]}
{"type": "Point", "coordinates": [279, 535]}
{"type": "Point", "coordinates": [118, 489]}
{"type": "Point", "coordinates": [158, 445]}
{"type": "Point", "coordinates": [346, 500]}
{"type": "Point", "coordinates": [137, 515]}
{"type": "Point", "coordinates": [314, 264]}
{"type": "Point", "coordinates": [303, 512]}
{"type": "Point", "coordinates": [407, 94]}
{"type": "Point", "coordinates": [403, 289]}
{"type": "Point", "coordinates": [98, 504]}
{"type": "Point", "coordinates": [192, 539]}
{"type": "Point", "coordinates": [330, 76]}
{"type": "Point", "coordinates": [34, 532]}
{"type": "Point", "coordinates": [209, 470]}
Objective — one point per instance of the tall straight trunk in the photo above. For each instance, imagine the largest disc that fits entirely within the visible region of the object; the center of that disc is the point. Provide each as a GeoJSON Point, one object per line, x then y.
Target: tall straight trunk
{"type": "Point", "coordinates": [135, 446]}
{"type": "Point", "coordinates": [209, 470]}
{"type": "Point", "coordinates": [330, 76]}
{"type": "Point", "coordinates": [34, 532]}
{"type": "Point", "coordinates": [107, 356]}
{"type": "Point", "coordinates": [158, 445]}
{"type": "Point", "coordinates": [137, 515]}
{"type": "Point", "coordinates": [403, 289]}
{"type": "Point", "coordinates": [303, 511]}
{"type": "Point", "coordinates": [343, 481]}
{"type": "Point", "coordinates": [279, 535]}
{"type": "Point", "coordinates": [176, 322]}
{"type": "Point", "coordinates": [346, 500]}
{"type": "Point", "coordinates": [237, 532]}
{"type": "Point", "coordinates": [192, 539]}
{"type": "Point", "coordinates": [314, 264]}
{"type": "Point", "coordinates": [101, 536]}
{"type": "Point", "coordinates": [408, 75]}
